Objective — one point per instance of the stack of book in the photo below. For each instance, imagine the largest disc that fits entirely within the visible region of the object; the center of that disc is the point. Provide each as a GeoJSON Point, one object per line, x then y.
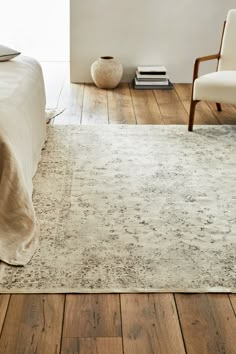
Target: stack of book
{"type": "Point", "coordinates": [152, 77]}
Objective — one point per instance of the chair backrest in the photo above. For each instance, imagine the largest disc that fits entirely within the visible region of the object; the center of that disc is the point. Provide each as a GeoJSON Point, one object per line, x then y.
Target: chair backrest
{"type": "Point", "coordinates": [228, 49]}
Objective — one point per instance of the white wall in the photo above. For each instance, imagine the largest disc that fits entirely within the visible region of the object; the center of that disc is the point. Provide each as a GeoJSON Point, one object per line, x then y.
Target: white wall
{"type": "Point", "coordinates": [168, 32]}
{"type": "Point", "coordinates": [36, 28]}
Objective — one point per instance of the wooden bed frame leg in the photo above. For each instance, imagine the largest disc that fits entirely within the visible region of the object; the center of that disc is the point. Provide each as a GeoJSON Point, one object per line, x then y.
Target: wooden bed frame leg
{"type": "Point", "coordinates": [218, 106]}
{"type": "Point", "coordinates": [191, 115]}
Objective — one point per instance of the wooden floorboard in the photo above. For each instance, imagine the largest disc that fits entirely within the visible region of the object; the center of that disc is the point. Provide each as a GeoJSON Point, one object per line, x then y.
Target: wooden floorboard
{"type": "Point", "coordinates": [204, 114]}
{"type": "Point", "coordinates": [226, 116]}
{"type": "Point", "coordinates": [232, 298]}
{"type": "Point", "coordinates": [92, 315]}
{"type": "Point", "coordinates": [92, 321]}
{"type": "Point", "coordinates": [33, 324]}
{"type": "Point", "coordinates": [4, 301]}
{"type": "Point", "coordinates": [71, 100]}
{"type": "Point", "coordinates": [97, 345]}
{"type": "Point", "coordinates": [150, 324]}
{"type": "Point", "coordinates": [171, 107]}
{"type": "Point", "coordinates": [145, 107]}
{"type": "Point", "coordinates": [95, 106]}
{"type": "Point", "coordinates": [120, 106]}
{"type": "Point", "coordinates": [208, 323]}
{"type": "Point", "coordinates": [126, 323]}
{"type": "Point", "coordinates": [54, 77]}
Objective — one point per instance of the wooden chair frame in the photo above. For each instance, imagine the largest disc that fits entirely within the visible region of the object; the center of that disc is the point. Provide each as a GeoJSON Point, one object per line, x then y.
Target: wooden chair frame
{"type": "Point", "coordinates": [195, 76]}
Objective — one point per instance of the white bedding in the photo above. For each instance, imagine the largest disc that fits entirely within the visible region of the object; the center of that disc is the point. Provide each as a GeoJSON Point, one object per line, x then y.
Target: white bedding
{"type": "Point", "coordinates": [22, 136]}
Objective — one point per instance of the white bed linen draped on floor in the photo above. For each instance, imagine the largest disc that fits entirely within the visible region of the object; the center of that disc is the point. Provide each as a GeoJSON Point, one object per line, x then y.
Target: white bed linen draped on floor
{"type": "Point", "coordinates": [22, 135]}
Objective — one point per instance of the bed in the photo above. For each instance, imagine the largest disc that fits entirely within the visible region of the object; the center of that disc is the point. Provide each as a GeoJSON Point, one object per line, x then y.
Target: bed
{"type": "Point", "coordinates": [22, 136]}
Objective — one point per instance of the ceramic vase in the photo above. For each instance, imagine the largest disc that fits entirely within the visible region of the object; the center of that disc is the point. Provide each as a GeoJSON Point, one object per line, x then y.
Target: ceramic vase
{"type": "Point", "coordinates": [106, 72]}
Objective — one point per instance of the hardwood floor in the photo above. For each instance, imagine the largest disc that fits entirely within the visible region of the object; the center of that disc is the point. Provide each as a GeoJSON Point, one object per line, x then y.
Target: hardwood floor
{"type": "Point", "coordinates": [120, 323]}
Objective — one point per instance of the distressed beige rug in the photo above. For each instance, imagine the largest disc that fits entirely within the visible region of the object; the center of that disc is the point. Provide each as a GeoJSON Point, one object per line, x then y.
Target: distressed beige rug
{"type": "Point", "coordinates": [133, 209]}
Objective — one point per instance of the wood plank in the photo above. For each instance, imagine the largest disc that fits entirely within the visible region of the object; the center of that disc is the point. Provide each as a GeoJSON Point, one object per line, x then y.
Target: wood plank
{"type": "Point", "coordinates": [171, 107]}
{"type": "Point", "coordinates": [94, 105]}
{"type": "Point", "coordinates": [232, 298]}
{"type": "Point", "coordinates": [150, 324]}
{"type": "Point", "coordinates": [120, 106]}
{"type": "Point", "coordinates": [54, 74]}
{"type": "Point", "coordinates": [204, 114]}
{"type": "Point", "coordinates": [92, 345]}
{"type": "Point", "coordinates": [145, 107]}
{"type": "Point", "coordinates": [183, 91]}
{"type": "Point", "coordinates": [92, 315]}
{"type": "Point", "coordinates": [208, 323]}
{"type": "Point", "coordinates": [4, 301]}
{"type": "Point", "coordinates": [228, 114]}
{"type": "Point", "coordinates": [33, 324]}
{"type": "Point", "coordinates": [71, 98]}
{"type": "Point", "coordinates": [109, 345]}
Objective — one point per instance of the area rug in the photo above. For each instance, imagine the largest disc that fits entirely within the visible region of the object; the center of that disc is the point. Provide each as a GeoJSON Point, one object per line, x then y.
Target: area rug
{"type": "Point", "coordinates": [133, 209]}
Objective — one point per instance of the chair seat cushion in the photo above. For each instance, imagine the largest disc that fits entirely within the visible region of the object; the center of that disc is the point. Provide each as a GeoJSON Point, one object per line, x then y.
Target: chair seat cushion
{"type": "Point", "coordinates": [219, 87]}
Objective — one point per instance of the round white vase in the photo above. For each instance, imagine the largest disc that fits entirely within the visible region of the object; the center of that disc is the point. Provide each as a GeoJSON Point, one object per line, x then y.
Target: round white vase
{"type": "Point", "coordinates": [106, 72]}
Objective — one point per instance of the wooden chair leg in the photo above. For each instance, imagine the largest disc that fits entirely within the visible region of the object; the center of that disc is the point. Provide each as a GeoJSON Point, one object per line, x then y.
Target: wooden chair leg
{"type": "Point", "coordinates": [218, 106]}
{"type": "Point", "coordinates": [191, 115]}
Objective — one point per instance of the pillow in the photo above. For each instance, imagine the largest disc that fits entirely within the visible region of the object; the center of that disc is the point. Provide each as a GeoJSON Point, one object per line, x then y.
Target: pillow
{"type": "Point", "coordinates": [7, 53]}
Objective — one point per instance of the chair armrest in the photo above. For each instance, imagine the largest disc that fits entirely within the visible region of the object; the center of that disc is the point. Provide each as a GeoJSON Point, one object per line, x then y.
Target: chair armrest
{"type": "Point", "coordinates": [201, 59]}
{"type": "Point", "coordinates": [208, 57]}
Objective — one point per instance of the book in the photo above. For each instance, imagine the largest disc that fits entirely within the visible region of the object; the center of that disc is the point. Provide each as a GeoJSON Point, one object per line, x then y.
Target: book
{"type": "Point", "coordinates": [151, 77]}
{"type": "Point", "coordinates": [152, 70]}
{"type": "Point", "coordinates": [150, 83]}
{"type": "Point", "coordinates": [153, 87]}
{"type": "Point", "coordinates": [153, 81]}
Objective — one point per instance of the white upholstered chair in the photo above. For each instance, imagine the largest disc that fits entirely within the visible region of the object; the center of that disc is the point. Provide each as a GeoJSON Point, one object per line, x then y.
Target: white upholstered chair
{"type": "Point", "coordinates": [219, 86]}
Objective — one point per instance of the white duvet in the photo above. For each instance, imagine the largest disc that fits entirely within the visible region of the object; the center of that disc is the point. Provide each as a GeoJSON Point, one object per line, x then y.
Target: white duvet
{"type": "Point", "coordinates": [22, 136]}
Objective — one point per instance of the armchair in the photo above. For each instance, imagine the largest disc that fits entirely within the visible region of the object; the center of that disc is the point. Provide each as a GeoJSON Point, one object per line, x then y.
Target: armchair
{"type": "Point", "coordinates": [219, 86]}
